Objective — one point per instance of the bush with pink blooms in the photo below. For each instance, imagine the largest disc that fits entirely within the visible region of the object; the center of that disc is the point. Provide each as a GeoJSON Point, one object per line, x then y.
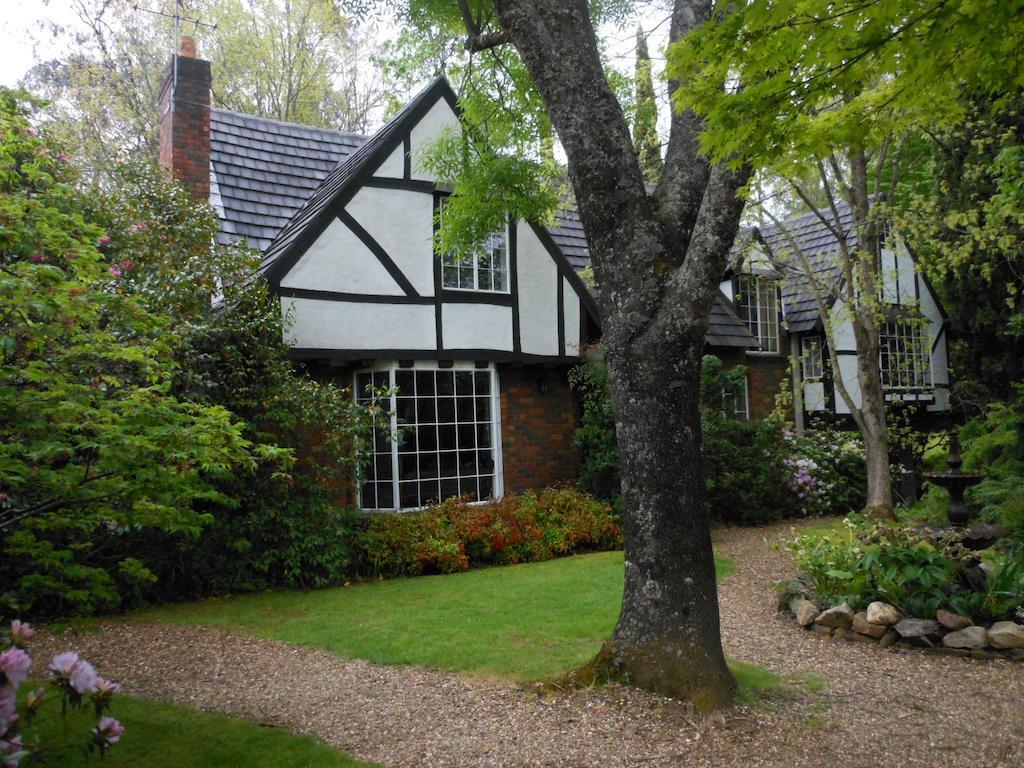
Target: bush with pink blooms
{"type": "Point", "coordinates": [76, 685]}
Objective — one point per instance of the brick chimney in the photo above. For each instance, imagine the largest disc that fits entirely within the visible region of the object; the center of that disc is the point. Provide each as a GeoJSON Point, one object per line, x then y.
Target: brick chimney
{"type": "Point", "coordinates": [185, 120]}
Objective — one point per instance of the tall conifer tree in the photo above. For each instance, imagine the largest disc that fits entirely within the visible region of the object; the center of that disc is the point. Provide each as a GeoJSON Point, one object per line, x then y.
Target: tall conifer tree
{"type": "Point", "coordinates": [645, 125]}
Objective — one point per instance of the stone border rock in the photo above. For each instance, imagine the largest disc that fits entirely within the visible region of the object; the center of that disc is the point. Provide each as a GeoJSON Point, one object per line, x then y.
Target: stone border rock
{"type": "Point", "coordinates": [948, 633]}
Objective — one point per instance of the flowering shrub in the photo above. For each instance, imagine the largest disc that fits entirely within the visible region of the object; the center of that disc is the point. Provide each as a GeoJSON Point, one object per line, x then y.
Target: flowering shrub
{"type": "Point", "coordinates": [79, 688]}
{"type": "Point", "coordinates": [457, 535]}
{"type": "Point", "coordinates": [911, 569]}
{"type": "Point", "coordinates": [825, 471]}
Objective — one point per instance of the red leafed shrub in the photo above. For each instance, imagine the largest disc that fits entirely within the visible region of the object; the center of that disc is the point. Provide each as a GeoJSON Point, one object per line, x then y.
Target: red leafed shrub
{"type": "Point", "coordinates": [457, 535]}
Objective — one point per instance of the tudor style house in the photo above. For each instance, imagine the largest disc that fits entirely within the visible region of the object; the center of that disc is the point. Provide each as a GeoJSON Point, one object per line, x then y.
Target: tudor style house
{"type": "Point", "coordinates": [476, 353]}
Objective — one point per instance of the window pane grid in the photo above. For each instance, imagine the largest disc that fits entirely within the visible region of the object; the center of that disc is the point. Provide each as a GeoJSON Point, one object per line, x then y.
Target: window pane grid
{"type": "Point", "coordinates": [904, 358]}
{"type": "Point", "coordinates": [811, 355]}
{"type": "Point", "coordinates": [487, 271]}
{"type": "Point", "coordinates": [445, 444]}
{"type": "Point", "coordinates": [759, 306]}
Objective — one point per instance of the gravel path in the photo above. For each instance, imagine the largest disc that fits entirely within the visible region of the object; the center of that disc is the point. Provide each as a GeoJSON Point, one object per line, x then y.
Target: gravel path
{"type": "Point", "coordinates": [878, 707]}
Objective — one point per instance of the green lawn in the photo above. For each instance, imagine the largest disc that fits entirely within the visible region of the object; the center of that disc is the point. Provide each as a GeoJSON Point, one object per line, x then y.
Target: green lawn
{"type": "Point", "coordinates": [521, 622]}
{"type": "Point", "coordinates": [161, 735]}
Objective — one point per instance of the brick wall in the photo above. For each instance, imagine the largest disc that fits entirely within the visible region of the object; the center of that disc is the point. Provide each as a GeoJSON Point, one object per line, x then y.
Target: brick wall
{"type": "Point", "coordinates": [185, 128]}
{"type": "Point", "coordinates": [538, 419]}
{"type": "Point", "coordinates": [765, 374]}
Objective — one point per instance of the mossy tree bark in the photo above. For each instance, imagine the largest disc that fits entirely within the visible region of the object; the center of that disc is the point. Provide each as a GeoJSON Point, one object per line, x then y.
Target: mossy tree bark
{"type": "Point", "coordinates": [657, 260]}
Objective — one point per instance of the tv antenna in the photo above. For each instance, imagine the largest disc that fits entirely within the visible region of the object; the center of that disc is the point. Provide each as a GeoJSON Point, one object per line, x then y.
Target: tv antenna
{"type": "Point", "coordinates": [179, 17]}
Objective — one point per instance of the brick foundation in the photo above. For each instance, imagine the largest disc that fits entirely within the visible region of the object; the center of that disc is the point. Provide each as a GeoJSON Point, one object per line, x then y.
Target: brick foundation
{"type": "Point", "coordinates": [765, 375]}
{"type": "Point", "coordinates": [538, 419]}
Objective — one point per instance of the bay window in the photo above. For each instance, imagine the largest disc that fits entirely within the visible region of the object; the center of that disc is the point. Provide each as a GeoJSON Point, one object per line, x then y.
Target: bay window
{"type": "Point", "coordinates": [440, 439]}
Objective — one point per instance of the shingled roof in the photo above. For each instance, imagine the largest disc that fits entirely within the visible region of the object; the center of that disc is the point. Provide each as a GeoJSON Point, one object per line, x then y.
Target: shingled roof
{"type": "Point", "coordinates": [262, 171]}
{"type": "Point", "coordinates": [811, 235]}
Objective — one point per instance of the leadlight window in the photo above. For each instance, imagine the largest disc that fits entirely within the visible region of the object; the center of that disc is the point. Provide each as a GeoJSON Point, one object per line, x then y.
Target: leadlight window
{"type": "Point", "coordinates": [758, 303]}
{"type": "Point", "coordinates": [441, 440]}
{"type": "Point", "coordinates": [812, 358]}
{"type": "Point", "coordinates": [486, 270]}
{"type": "Point", "coordinates": [904, 357]}
{"type": "Point", "coordinates": [735, 400]}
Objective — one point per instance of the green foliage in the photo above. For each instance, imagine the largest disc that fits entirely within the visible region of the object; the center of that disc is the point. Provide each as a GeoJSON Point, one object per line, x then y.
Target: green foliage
{"type": "Point", "coordinates": [756, 471]}
{"type": "Point", "coordinates": [456, 535]}
{"type": "Point", "coordinates": [966, 223]}
{"type": "Point", "coordinates": [94, 439]}
{"type": "Point", "coordinates": [594, 439]}
{"type": "Point", "coordinates": [143, 414]}
{"type": "Point", "coordinates": [806, 76]}
{"type": "Point", "coordinates": [645, 123]}
{"type": "Point", "coordinates": [899, 564]}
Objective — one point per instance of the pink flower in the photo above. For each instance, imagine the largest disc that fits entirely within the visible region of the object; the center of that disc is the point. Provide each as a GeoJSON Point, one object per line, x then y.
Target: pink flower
{"type": "Point", "coordinates": [64, 663]}
{"type": "Point", "coordinates": [36, 258]}
{"type": "Point", "coordinates": [84, 678]}
{"type": "Point", "coordinates": [108, 731]}
{"type": "Point", "coordinates": [4, 497]}
{"type": "Point", "coordinates": [11, 751]}
{"type": "Point", "coordinates": [103, 240]}
{"type": "Point", "coordinates": [8, 708]}
{"type": "Point", "coordinates": [21, 632]}
{"type": "Point", "coordinates": [15, 663]}
{"type": "Point", "coordinates": [126, 265]}
{"type": "Point", "coordinates": [115, 270]}
{"type": "Point", "coordinates": [108, 687]}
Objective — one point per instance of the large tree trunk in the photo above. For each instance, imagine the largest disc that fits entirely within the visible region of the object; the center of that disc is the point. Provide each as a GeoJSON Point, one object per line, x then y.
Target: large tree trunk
{"type": "Point", "coordinates": [657, 261]}
{"type": "Point", "coordinates": [667, 636]}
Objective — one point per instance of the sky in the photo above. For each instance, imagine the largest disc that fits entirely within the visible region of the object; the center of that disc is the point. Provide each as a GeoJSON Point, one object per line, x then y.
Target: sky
{"type": "Point", "coordinates": [26, 37]}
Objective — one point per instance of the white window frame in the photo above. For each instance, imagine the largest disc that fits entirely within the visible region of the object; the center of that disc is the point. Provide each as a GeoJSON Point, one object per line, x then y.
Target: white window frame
{"type": "Point", "coordinates": [812, 358]}
{"type": "Point", "coordinates": [905, 342]}
{"type": "Point", "coordinates": [497, 240]}
{"type": "Point", "coordinates": [392, 368]}
{"type": "Point", "coordinates": [762, 315]}
{"type": "Point", "coordinates": [730, 400]}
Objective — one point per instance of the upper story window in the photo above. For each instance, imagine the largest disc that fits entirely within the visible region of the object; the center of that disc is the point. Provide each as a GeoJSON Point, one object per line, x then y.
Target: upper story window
{"type": "Point", "coordinates": [758, 302]}
{"type": "Point", "coordinates": [811, 357]}
{"type": "Point", "coordinates": [486, 271]}
{"type": "Point", "coordinates": [904, 358]}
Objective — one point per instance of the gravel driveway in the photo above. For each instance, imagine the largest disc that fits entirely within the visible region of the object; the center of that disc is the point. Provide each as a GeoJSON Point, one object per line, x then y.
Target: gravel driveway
{"type": "Point", "coordinates": [878, 707]}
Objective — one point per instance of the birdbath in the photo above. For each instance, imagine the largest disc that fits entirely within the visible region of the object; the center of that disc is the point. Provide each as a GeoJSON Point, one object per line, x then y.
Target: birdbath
{"type": "Point", "coordinates": [959, 514]}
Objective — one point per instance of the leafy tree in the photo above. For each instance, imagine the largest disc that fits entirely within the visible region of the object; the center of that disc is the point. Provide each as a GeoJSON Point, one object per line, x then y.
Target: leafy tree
{"type": "Point", "coordinates": [93, 438]}
{"type": "Point", "coordinates": [657, 260]}
{"type": "Point", "coordinates": [295, 60]}
{"type": "Point", "coordinates": [835, 88]}
{"type": "Point", "coordinates": [645, 124]}
{"type": "Point", "coordinates": [966, 224]}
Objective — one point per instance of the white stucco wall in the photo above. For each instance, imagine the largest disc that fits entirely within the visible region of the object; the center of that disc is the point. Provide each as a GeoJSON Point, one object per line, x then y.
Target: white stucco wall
{"type": "Point", "coordinates": [402, 222]}
{"type": "Point", "coordinates": [538, 294]}
{"type": "Point", "coordinates": [316, 324]}
{"type": "Point", "coordinates": [814, 396]}
{"type": "Point", "coordinates": [476, 326]}
{"type": "Point", "coordinates": [394, 166]}
{"type": "Point", "coordinates": [339, 261]}
{"type": "Point", "coordinates": [426, 132]}
{"type": "Point", "coordinates": [571, 312]}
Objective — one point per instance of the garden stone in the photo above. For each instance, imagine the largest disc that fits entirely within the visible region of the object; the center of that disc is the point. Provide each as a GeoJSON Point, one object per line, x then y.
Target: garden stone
{"type": "Point", "coordinates": [819, 629]}
{"type": "Point", "coordinates": [968, 637]}
{"type": "Point", "coordinates": [917, 628]}
{"type": "Point", "coordinates": [804, 610]}
{"type": "Point", "coordinates": [1006, 634]}
{"type": "Point", "coordinates": [952, 621]}
{"type": "Point", "coordinates": [838, 617]}
{"type": "Point", "coordinates": [1014, 654]}
{"type": "Point", "coordinates": [865, 627]}
{"type": "Point", "coordinates": [883, 613]}
{"type": "Point", "coordinates": [941, 650]}
{"type": "Point", "coordinates": [889, 639]}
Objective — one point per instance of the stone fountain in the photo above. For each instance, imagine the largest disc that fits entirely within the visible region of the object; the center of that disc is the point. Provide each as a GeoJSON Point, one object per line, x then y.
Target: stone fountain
{"type": "Point", "coordinates": [960, 515]}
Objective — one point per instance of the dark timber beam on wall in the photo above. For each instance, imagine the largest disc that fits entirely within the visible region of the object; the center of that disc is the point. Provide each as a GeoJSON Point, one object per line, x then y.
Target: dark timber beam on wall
{"type": "Point", "coordinates": [375, 248]}
{"type": "Point", "coordinates": [497, 356]}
